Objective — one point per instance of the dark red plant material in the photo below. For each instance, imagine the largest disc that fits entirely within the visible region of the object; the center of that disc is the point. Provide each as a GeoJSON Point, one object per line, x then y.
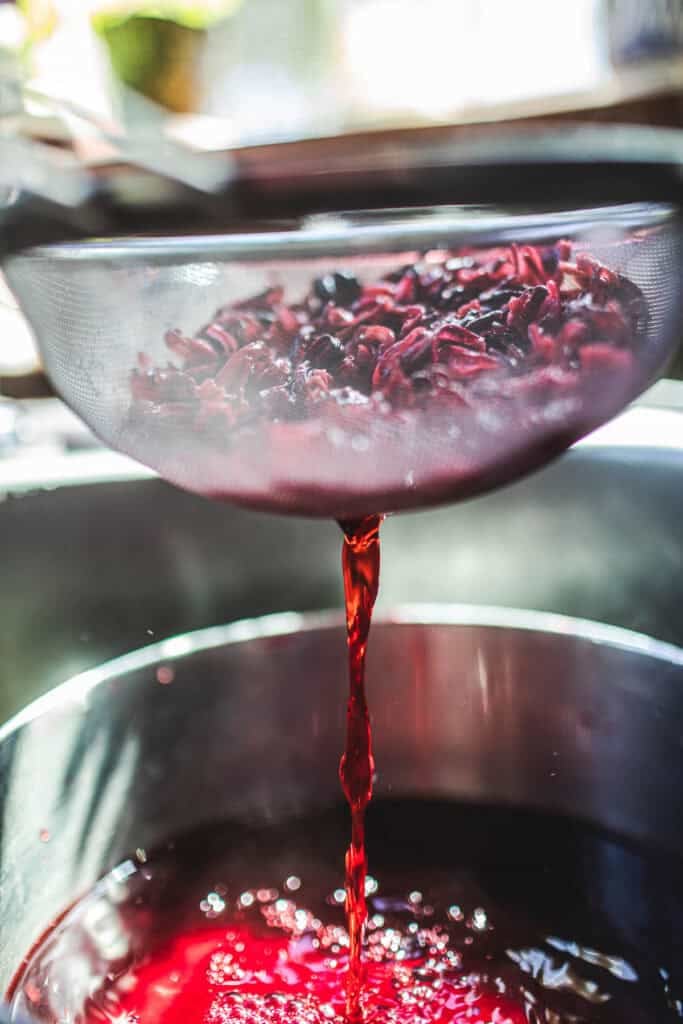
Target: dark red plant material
{"type": "Point", "coordinates": [452, 330]}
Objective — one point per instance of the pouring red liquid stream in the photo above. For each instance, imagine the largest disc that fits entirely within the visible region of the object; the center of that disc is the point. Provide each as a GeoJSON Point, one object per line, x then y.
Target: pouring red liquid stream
{"type": "Point", "coordinates": [239, 973]}
{"type": "Point", "coordinates": [360, 565]}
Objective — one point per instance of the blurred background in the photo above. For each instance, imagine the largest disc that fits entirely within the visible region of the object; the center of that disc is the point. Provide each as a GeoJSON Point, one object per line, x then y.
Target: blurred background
{"type": "Point", "coordinates": [215, 74]}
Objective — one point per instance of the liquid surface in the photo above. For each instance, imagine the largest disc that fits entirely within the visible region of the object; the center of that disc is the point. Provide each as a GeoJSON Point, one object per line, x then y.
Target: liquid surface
{"type": "Point", "coordinates": [475, 914]}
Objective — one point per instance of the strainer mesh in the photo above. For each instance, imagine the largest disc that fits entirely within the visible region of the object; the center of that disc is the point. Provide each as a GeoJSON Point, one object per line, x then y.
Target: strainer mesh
{"type": "Point", "coordinates": [93, 314]}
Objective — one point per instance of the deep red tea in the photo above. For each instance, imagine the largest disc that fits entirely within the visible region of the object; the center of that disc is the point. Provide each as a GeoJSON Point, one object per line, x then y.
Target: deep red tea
{"type": "Point", "coordinates": [360, 564]}
{"type": "Point", "coordinates": [474, 916]}
{"type": "Point", "coordinates": [241, 976]}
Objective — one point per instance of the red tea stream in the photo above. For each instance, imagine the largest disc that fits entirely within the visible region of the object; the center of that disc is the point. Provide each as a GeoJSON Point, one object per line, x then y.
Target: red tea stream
{"type": "Point", "coordinates": [360, 564]}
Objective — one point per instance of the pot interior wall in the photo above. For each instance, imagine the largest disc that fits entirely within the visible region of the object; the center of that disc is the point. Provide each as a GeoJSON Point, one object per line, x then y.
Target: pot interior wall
{"type": "Point", "coordinates": [496, 707]}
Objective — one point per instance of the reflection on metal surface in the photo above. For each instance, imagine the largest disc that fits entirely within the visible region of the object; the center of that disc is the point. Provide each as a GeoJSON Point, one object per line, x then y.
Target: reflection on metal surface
{"type": "Point", "coordinates": [77, 690]}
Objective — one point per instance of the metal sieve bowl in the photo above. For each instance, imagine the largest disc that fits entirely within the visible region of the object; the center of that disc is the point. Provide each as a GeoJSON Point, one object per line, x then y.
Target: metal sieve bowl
{"type": "Point", "coordinates": [101, 307]}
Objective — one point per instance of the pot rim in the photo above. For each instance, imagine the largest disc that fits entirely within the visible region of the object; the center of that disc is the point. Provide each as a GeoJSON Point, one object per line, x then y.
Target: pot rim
{"type": "Point", "coordinates": [77, 689]}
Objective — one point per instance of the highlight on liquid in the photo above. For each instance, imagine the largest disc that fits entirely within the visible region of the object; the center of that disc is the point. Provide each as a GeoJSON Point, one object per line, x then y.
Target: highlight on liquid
{"type": "Point", "coordinates": [475, 914]}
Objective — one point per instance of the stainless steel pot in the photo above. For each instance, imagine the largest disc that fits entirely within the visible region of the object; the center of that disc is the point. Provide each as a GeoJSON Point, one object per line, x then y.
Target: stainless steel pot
{"type": "Point", "coordinates": [489, 705]}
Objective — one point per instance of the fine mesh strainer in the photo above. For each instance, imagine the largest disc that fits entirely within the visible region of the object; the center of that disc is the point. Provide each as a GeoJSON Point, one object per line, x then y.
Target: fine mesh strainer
{"type": "Point", "coordinates": [266, 348]}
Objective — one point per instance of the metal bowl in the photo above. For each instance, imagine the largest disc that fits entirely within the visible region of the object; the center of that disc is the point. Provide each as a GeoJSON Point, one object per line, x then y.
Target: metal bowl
{"type": "Point", "coordinates": [524, 709]}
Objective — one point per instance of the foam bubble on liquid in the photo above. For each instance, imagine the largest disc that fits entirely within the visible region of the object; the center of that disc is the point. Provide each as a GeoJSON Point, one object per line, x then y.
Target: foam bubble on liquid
{"type": "Point", "coordinates": [275, 1008]}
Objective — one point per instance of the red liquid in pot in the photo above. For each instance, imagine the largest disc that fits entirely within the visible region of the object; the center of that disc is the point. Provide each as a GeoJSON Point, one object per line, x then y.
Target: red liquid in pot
{"type": "Point", "coordinates": [475, 916]}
